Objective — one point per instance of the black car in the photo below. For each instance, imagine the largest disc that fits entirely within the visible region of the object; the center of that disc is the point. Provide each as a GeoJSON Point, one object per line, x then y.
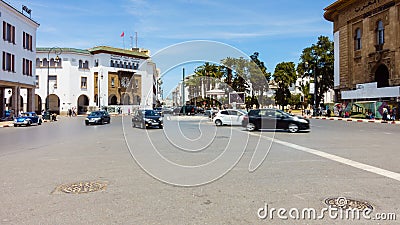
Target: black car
{"type": "Point", "coordinates": [274, 119]}
{"type": "Point", "coordinates": [98, 117]}
{"type": "Point", "coordinates": [188, 110]}
{"type": "Point", "coordinates": [147, 118]}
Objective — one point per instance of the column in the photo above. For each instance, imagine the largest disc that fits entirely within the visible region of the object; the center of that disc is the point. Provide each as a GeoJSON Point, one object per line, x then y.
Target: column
{"type": "Point", "coordinates": [31, 100]}
{"type": "Point", "coordinates": [15, 100]}
{"type": "Point", "coordinates": [2, 102]}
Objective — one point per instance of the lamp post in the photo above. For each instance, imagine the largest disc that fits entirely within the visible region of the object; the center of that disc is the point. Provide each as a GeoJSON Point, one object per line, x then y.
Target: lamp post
{"type": "Point", "coordinates": [58, 52]}
{"type": "Point", "coordinates": [315, 88]}
{"type": "Point", "coordinates": [99, 78]}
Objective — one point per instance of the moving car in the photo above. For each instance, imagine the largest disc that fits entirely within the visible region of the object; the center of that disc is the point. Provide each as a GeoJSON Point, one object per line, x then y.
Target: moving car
{"type": "Point", "coordinates": [274, 119]}
{"type": "Point", "coordinates": [229, 117]}
{"type": "Point", "coordinates": [147, 118]}
{"type": "Point", "coordinates": [27, 119]}
{"type": "Point", "coordinates": [98, 117]}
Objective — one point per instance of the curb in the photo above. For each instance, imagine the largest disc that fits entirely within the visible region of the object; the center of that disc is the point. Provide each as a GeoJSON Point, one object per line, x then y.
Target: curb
{"type": "Point", "coordinates": [353, 120]}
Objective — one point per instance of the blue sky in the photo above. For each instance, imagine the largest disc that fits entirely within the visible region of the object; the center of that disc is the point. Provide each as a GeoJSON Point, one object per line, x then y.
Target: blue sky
{"type": "Point", "coordinates": [278, 30]}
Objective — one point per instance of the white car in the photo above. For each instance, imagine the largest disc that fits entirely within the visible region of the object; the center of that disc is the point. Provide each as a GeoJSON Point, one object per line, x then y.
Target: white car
{"type": "Point", "coordinates": [229, 117]}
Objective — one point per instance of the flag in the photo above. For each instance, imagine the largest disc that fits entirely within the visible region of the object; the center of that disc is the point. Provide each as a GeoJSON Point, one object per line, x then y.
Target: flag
{"type": "Point", "coordinates": [122, 34]}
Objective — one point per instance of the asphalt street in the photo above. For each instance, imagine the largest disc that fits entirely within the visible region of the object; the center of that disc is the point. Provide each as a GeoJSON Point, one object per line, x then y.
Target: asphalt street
{"type": "Point", "coordinates": [192, 172]}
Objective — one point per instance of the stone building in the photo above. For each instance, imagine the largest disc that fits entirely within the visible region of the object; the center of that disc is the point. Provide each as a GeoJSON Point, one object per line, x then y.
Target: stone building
{"type": "Point", "coordinates": [367, 49]}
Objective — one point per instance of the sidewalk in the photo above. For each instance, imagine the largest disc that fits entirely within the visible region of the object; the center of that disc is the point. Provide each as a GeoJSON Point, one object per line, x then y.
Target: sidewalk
{"type": "Point", "coordinates": [6, 124]}
{"type": "Point", "coordinates": [352, 120]}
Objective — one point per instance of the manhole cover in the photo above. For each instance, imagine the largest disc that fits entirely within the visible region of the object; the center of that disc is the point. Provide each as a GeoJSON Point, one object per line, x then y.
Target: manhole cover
{"type": "Point", "coordinates": [347, 203]}
{"type": "Point", "coordinates": [82, 187]}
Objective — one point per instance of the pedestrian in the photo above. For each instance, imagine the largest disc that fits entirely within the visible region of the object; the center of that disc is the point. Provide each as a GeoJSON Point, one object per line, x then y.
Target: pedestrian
{"type": "Point", "coordinates": [385, 114]}
{"type": "Point", "coordinates": [328, 112]}
{"type": "Point", "coordinates": [393, 116]}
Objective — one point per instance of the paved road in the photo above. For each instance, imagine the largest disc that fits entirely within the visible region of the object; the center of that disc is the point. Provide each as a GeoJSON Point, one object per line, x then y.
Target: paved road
{"type": "Point", "coordinates": [145, 169]}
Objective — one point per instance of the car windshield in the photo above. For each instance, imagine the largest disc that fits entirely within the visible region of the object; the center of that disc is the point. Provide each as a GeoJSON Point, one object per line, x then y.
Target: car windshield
{"type": "Point", "coordinates": [280, 113]}
{"type": "Point", "coordinates": [95, 114]}
{"type": "Point", "coordinates": [150, 113]}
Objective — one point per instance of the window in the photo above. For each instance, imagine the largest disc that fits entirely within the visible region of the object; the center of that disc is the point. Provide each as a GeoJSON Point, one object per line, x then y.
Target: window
{"type": "Point", "coordinates": [27, 41]}
{"type": "Point", "coordinates": [37, 62]}
{"type": "Point", "coordinates": [86, 65]}
{"type": "Point", "coordinates": [26, 67]}
{"type": "Point", "coordinates": [8, 62]}
{"type": "Point", "coordinates": [112, 82]}
{"type": "Point", "coordinates": [96, 63]}
{"type": "Point", "coordinates": [80, 64]}
{"type": "Point", "coordinates": [381, 33]}
{"type": "Point", "coordinates": [83, 82]}
{"type": "Point", "coordinates": [37, 81]}
{"type": "Point", "coordinates": [224, 112]}
{"type": "Point", "coordinates": [112, 63]}
{"type": "Point", "coordinates": [8, 32]}
{"type": "Point", "coordinates": [358, 39]}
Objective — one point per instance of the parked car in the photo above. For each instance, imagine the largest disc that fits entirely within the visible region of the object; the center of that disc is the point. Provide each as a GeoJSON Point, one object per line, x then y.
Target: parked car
{"type": "Point", "coordinates": [229, 117]}
{"type": "Point", "coordinates": [274, 119]}
{"type": "Point", "coordinates": [27, 119]}
{"type": "Point", "coordinates": [147, 118]}
{"type": "Point", "coordinates": [98, 117]}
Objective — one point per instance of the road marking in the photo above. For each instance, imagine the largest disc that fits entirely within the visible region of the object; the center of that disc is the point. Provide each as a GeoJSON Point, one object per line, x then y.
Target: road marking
{"type": "Point", "coordinates": [349, 162]}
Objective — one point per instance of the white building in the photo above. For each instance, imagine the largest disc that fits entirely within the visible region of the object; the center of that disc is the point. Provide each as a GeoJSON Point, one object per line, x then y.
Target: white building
{"type": "Point", "coordinates": [17, 56]}
{"type": "Point", "coordinates": [99, 77]}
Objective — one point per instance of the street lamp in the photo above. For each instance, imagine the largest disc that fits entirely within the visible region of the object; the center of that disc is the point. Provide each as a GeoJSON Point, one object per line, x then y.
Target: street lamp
{"type": "Point", "coordinates": [58, 52]}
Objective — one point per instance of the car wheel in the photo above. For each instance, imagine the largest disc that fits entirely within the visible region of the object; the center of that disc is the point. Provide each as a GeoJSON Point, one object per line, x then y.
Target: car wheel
{"type": "Point", "coordinates": [251, 127]}
{"type": "Point", "coordinates": [293, 128]}
{"type": "Point", "coordinates": [15, 125]}
{"type": "Point", "coordinates": [160, 127]}
{"type": "Point", "coordinates": [218, 122]}
{"type": "Point", "coordinates": [29, 123]}
{"type": "Point", "coordinates": [102, 121]}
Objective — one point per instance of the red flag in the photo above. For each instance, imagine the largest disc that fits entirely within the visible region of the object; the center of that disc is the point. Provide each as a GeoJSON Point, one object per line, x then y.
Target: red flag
{"type": "Point", "coordinates": [123, 34]}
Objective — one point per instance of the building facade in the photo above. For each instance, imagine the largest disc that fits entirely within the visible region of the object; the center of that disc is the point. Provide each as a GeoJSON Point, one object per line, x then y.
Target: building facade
{"type": "Point", "coordinates": [100, 77]}
{"type": "Point", "coordinates": [367, 50]}
{"type": "Point", "coordinates": [17, 56]}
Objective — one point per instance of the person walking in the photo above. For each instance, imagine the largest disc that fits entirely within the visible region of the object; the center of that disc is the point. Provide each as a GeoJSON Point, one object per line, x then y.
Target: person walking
{"type": "Point", "coordinates": [385, 114]}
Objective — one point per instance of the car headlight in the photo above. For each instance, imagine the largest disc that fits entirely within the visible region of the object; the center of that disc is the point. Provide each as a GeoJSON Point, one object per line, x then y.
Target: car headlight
{"type": "Point", "coordinates": [15, 120]}
{"type": "Point", "coordinates": [86, 118]}
{"type": "Point", "coordinates": [302, 121]}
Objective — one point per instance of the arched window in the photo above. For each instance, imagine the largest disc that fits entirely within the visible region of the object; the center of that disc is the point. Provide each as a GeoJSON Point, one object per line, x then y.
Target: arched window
{"type": "Point", "coordinates": [52, 63]}
{"type": "Point", "coordinates": [112, 63]}
{"type": "Point", "coordinates": [86, 65]}
{"type": "Point", "coordinates": [358, 39]}
{"type": "Point", "coordinates": [125, 65]}
{"type": "Point", "coordinates": [45, 62]}
{"type": "Point", "coordinates": [121, 64]}
{"type": "Point", "coordinates": [80, 64]}
{"type": "Point", "coordinates": [381, 33]}
{"type": "Point", "coordinates": [38, 63]}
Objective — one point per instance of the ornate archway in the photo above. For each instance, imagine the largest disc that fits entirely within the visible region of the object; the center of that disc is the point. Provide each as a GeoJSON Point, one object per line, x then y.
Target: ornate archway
{"type": "Point", "coordinates": [53, 104]}
{"type": "Point", "coordinates": [83, 103]}
{"type": "Point", "coordinates": [112, 100]}
{"type": "Point", "coordinates": [38, 104]}
{"type": "Point", "coordinates": [382, 76]}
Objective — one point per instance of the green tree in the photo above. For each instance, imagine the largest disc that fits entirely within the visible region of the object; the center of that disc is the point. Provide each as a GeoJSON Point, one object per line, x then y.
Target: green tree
{"type": "Point", "coordinates": [284, 75]}
{"type": "Point", "coordinates": [319, 59]}
{"type": "Point", "coordinates": [259, 77]}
